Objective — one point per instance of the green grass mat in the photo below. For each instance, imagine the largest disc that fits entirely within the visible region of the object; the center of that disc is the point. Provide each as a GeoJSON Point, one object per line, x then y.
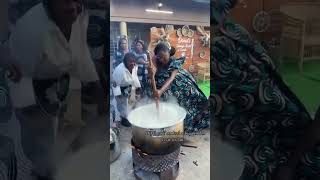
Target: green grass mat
{"type": "Point", "coordinates": [205, 87]}
{"type": "Point", "coordinates": [305, 85]}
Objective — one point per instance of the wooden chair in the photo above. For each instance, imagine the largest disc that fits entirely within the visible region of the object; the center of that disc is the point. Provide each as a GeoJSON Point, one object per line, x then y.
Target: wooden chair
{"type": "Point", "coordinates": [300, 39]}
{"type": "Point", "coordinates": [312, 39]}
{"type": "Point", "coordinates": [203, 71]}
{"type": "Point", "coordinates": [291, 43]}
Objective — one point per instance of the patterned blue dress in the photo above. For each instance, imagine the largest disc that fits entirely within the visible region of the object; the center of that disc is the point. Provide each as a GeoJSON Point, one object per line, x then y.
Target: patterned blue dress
{"type": "Point", "coordinates": [185, 90]}
{"type": "Point", "coordinates": [254, 108]}
{"type": "Point", "coordinates": [142, 68]}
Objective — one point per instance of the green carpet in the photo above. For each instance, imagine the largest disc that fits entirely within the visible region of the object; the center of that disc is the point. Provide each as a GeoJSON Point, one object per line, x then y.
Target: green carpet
{"type": "Point", "coordinates": [205, 87]}
{"type": "Point", "coordinates": [305, 85]}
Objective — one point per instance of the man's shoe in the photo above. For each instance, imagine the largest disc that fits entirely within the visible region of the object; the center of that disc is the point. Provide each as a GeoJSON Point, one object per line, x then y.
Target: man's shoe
{"type": "Point", "coordinates": [125, 122]}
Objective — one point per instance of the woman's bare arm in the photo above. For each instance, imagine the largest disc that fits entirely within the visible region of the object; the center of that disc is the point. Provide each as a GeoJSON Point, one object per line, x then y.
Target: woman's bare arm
{"type": "Point", "coordinates": [169, 81]}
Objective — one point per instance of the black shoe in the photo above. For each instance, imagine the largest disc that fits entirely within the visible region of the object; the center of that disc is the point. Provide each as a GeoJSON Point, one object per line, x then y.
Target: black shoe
{"type": "Point", "coordinates": [40, 177]}
{"type": "Point", "coordinates": [125, 122]}
{"type": "Point", "coordinates": [44, 178]}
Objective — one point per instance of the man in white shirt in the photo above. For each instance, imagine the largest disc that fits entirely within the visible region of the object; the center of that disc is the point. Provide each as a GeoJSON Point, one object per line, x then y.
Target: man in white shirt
{"type": "Point", "coordinates": [125, 80]}
{"type": "Point", "coordinates": [50, 47]}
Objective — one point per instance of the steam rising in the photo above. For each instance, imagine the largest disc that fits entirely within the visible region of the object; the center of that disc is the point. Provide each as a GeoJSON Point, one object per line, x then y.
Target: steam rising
{"type": "Point", "coordinates": [147, 116]}
{"type": "Point", "coordinates": [146, 101]}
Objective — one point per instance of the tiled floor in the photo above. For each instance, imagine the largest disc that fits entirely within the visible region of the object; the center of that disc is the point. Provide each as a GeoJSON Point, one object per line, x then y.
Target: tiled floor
{"type": "Point", "coordinates": [89, 161]}
{"type": "Point", "coordinates": [227, 161]}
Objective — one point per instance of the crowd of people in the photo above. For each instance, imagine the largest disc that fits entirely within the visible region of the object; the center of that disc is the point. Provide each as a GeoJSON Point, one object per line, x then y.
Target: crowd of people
{"type": "Point", "coordinates": [130, 83]}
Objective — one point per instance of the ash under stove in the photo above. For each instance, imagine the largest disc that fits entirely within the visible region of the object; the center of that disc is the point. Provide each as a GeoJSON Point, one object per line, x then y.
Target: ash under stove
{"type": "Point", "coordinates": [155, 167]}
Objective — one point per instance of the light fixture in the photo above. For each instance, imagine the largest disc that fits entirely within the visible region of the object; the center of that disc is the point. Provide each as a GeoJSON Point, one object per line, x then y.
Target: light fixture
{"type": "Point", "coordinates": [158, 11]}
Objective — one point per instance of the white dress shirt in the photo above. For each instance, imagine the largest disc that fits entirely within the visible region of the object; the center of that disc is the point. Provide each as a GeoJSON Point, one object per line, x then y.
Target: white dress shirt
{"type": "Point", "coordinates": [122, 77]}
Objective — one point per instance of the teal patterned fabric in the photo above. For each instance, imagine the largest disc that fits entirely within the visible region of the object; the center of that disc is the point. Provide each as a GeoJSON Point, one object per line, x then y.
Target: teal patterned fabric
{"type": "Point", "coordinates": [8, 161]}
{"type": "Point", "coordinates": [253, 106]}
{"type": "Point", "coordinates": [14, 165]}
{"type": "Point", "coordinates": [5, 104]}
{"type": "Point", "coordinates": [186, 91]}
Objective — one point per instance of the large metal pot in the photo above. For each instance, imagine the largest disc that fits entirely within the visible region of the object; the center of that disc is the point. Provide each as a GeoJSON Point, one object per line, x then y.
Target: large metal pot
{"type": "Point", "coordinates": [157, 133]}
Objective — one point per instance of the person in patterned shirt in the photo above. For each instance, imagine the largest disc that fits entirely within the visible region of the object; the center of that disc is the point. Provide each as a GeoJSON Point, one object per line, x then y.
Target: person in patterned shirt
{"type": "Point", "coordinates": [142, 62]}
{"type": "Point", "coordinates": [121, 52]}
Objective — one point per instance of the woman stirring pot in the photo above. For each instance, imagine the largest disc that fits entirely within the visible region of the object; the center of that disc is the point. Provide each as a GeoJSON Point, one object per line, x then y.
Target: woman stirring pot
{"type": "Point", "coordinates": [173, 81]}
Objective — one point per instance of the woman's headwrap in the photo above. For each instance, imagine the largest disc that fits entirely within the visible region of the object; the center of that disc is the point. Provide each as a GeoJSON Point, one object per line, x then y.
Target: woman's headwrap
{"type": "Point", "coordinates": [220, 9]}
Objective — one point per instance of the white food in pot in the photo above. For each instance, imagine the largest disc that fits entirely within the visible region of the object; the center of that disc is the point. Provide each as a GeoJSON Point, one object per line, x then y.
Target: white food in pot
{"type": "Point", "coordinates": [147, 116]}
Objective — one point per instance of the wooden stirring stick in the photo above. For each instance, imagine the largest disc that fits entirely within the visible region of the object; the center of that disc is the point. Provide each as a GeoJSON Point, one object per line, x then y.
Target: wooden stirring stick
{"type": "Point", "coordinates": [153, 81]}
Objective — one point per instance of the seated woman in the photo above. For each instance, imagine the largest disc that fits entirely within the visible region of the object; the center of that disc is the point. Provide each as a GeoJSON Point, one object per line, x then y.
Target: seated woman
{"type": "Point", "coordinates": [173, 81]}
{"type": "Point", "coordinates": [254, 107]}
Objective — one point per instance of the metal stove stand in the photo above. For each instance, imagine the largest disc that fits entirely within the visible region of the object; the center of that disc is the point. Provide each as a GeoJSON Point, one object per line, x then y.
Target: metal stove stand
{"type": "Point", "coordinates": [155, 167]}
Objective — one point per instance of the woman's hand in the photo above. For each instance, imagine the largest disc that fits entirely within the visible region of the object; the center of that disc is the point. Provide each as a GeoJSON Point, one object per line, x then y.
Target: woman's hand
{"type": "Point", "coordinates": [284, 173]}
{"type": "Point", "coordinates": [138, 91]}
{"type": "Point", "coordinates": [157, 94]}
{"type": "Point", "coordinates": [13, 73]}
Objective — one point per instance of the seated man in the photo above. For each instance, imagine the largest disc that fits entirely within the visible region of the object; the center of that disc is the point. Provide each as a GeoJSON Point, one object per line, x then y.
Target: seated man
{"type": "Point", "coordinates": [125, 79]}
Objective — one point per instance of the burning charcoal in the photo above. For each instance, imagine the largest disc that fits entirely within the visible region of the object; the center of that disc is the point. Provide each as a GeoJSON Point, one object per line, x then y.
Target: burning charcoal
{"type": "Point", "coordinates": [195, 163]}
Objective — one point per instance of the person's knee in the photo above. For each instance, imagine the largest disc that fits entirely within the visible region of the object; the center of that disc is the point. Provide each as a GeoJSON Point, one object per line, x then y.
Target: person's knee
{"type": "Point", "coordinates": [317, 116]}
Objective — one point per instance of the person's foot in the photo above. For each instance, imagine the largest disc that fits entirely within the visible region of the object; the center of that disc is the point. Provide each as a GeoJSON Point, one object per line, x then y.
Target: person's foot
{"type": "Point", "coordinates": [70, 123]}
{"type": "Point", "coordinates": [44, 178]}
{"type": "Point", "coordinates": [41, 177]}
{"type": "Point", "coordinates": [76, 145]}
{"type": "Point", "coordinates": [116, 130]}
{"type": "Point", "coordinates": [125, 122]}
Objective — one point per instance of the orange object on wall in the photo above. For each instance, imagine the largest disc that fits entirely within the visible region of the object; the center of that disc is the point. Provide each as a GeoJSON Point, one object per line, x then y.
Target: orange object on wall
{"type": "Point", "coordinates": [189, 46]}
